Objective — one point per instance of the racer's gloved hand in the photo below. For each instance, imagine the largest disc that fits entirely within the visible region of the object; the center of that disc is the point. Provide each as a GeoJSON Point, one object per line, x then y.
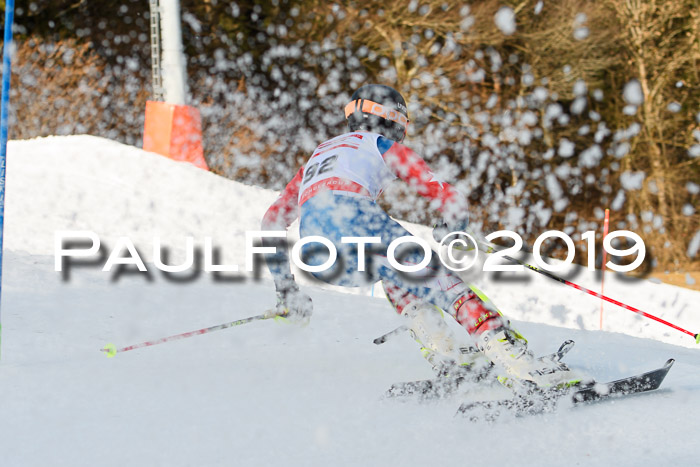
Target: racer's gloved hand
{"type": "Point", "coordinates": [292, 303]}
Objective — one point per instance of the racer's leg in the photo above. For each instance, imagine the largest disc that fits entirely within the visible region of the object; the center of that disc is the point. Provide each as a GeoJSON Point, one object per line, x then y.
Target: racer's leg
{"type": "Point", "coordinates": [446, 352]}
{"type": "Point", "coordinates": [335, 217]}
{"type": "Point", "coordinates": [420, 296]}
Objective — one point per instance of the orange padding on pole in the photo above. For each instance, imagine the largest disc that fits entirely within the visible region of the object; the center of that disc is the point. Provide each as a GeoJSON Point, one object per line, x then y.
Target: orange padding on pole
{"type": "Point", "coordinates": [174, 131]}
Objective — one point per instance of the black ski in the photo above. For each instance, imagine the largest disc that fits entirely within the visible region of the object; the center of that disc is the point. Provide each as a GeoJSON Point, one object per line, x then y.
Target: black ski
{"type": "Point", "coordinates": [648, 381]}
{"type": "Point", "coordinates": [540, 401]}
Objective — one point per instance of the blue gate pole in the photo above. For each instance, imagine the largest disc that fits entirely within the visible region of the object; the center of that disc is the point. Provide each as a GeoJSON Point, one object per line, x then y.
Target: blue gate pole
{"type": "Point", "coordinates": [4, 111]}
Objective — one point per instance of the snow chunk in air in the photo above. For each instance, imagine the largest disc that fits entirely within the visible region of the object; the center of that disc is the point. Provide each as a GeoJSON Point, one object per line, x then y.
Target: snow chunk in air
{"type": "Point", "coordinates": [505, 20]}
{"type": "Point", "coordinates": [632, 94]}
{"type": "Point", "coordinates": [632, 180]}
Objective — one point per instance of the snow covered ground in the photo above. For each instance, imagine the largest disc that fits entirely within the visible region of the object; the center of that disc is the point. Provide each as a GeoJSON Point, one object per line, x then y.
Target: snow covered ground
{"type": "Point", "coordinates": [270, 393]}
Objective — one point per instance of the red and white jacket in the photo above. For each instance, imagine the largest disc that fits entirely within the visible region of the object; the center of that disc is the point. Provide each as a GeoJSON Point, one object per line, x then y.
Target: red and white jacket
{"type": "Point", "coordinates": [361, 164]}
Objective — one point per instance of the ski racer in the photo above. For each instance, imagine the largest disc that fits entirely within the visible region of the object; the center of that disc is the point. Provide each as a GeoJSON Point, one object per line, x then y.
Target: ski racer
{"type": "Point", "coordinates": [335, 196]}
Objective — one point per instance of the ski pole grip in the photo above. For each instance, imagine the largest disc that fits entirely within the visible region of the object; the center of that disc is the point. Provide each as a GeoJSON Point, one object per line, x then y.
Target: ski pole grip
{"type": "Point", "coordinates": [697, 338]}
{"type": "Point", "coordinates": [271, 313]}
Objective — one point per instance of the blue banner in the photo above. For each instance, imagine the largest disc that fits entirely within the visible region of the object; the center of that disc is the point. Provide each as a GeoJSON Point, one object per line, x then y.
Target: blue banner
{"type": "Point", "coordinates": [4, 112]}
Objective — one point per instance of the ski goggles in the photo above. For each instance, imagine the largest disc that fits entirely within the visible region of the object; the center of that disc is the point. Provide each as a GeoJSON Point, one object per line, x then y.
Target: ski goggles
{"type": "Point", "coordinates": [373, 108]}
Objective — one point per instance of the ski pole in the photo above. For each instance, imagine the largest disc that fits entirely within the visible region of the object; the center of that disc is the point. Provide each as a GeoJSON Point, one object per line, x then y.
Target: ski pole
{"type": "Point", "coordinates": [490, 249]}
{"type": "Point", "coordinates": [602, 269]}
{"type": "Point", "coordinates": [111, 350]}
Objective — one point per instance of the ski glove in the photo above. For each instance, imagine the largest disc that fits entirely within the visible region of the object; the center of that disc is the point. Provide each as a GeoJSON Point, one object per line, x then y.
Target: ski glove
{"type": "Point", "coordinates": [442, 227]}
{"type": "Point", "coordinates": [292, 303]}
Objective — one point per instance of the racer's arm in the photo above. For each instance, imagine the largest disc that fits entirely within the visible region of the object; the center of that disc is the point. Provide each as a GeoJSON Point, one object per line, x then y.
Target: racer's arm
{"type": "Point", "coordinates": [279, 216]}
{"type": "Point", "coordinates": [411, 168]}
{"type": "Point", "coordinates": [291, 302]}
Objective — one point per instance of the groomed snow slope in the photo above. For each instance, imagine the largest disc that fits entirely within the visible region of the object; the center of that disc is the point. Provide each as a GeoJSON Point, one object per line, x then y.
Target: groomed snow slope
{"type": "Point", "coordinates": [269, 393]}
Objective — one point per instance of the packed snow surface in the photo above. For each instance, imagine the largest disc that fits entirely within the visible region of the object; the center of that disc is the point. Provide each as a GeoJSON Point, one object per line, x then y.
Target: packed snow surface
{"type": "Point", "coordinates": [270, 393]}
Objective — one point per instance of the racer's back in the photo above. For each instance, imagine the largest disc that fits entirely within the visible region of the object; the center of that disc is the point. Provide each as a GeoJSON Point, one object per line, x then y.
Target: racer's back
{"type": "Point", "coordinates": [351, 163]}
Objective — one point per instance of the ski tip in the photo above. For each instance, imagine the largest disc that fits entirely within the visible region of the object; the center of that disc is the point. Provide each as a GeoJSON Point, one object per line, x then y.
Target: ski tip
{"type": "Point", "coordinates": [110, 350]}
{"type": "Point", "coordinates": [669, 363]}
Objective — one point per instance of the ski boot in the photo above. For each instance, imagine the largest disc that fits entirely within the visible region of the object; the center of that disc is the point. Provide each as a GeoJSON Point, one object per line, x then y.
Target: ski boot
{"type": "Point", "coordinates": [439, 344]}
{"type": "Point", "coordinates": [507, 349]}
